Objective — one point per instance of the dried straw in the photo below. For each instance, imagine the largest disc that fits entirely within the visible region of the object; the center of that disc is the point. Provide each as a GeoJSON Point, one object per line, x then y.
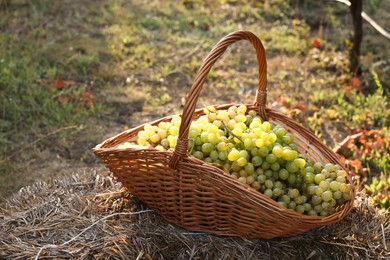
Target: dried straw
{"type": "Point", "coordinates": [90, 216]}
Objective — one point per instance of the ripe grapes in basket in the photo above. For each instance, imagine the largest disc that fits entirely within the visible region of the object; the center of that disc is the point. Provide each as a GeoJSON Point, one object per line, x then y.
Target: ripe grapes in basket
{"type": "Point", "coordinates": [258, 154]}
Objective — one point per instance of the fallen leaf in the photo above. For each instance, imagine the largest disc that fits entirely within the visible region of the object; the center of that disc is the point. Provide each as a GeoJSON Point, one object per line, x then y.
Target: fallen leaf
{"type": "Point", "coordinates": [316, 44]}
{"type": "Point", "coordinates": [64, 100]}
{"type": "Point", "coordinates": [60, 84]}
{"type": "Point", "coordinates": [88, 99]}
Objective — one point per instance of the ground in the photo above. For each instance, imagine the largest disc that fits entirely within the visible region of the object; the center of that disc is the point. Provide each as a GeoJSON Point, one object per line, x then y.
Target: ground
{"type": "Point", "coordinates": [75, 73]}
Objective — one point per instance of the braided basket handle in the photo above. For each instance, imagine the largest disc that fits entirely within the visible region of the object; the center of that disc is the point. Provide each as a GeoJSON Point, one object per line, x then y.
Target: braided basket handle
{"type": "Point", "coordinates": [192, 97]}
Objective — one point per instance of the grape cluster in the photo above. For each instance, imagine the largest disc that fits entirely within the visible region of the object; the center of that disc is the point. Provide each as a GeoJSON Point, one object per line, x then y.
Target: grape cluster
{"type": "Point", "coordinates": [259, 154]}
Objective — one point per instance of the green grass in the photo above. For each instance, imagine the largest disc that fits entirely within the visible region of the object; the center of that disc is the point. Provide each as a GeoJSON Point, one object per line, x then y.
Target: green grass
{"type": "Point", "coordinates": [137, 58]}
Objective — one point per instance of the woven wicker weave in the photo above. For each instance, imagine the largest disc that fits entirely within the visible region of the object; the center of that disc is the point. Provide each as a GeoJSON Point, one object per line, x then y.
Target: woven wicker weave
{"type": "Point", "coordinates": [200, 197]}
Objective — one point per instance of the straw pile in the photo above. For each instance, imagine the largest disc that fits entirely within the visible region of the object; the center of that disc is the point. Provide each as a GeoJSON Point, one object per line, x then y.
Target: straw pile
{"type": "Point", "coordinates": [90, 216]}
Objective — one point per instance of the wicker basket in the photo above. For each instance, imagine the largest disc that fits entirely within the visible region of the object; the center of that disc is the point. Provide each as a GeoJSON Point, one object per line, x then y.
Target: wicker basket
{"type": "Point", "coordinates": [201, 197]}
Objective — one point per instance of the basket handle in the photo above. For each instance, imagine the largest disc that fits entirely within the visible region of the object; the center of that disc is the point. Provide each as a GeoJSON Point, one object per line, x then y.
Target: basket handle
{"type": "Point", "coordinates": [192, 97]}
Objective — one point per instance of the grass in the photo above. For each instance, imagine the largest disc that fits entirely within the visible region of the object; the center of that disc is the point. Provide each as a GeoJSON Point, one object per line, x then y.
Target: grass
{"type": "Point", "coordinates": [137, 58]}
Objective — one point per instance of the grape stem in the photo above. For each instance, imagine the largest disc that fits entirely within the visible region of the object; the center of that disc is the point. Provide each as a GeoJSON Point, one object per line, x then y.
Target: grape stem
{"type": "Point", "coordinates": [230, 132]}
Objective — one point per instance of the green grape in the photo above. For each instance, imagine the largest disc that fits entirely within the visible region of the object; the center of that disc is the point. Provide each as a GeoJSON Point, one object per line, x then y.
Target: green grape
{"type": "Point", "coordinates": [292, 178]}
{"type": "Point", "coordinates": [340, 179]}
{"type": "Point", "coordinates": [319, 191]}
{"type": "Point", "coordinates": [271, 158]}
{"type": "Point", "coordinates": [309, 177]}
{"type": "Point", "coordinates": [208, 160]}
{"type": "Point", "coordinates": [174, 130]}
{"type": "Point", "coordinates": [307, 206]}
{"type": "Point", "coordinates": [254, 151]}
{"type": "Point", "coordinates": [327, 195]}
{"type": "Point", "coordinates": [319, 178]}
{"type": "Point", "coordinates": [250, 179]}
{"type": "Point", "coordinates": [248, 144]}
{"type": "Point", "coordinates": [243, 173]}
{"type": "Point", "coordinates": [300, 163]}
{"type": "Point", "coordinates": [337, 195]}
{"type": "Point", "coordinates": [326, 206]}
{"type": "Point", "coordinates": [293, 147]}
{"type": "Point", "coordinates": [241, 161]}
{"type": "Point", "coordinates": [244, 154]}
{"type": "Point", "coordinates": [334, 185]}
{"type": "Point", "coordinates": [233, 155]}
{"type": "Point", "coordinates": [275, 166]}
{"type": "Point", "coordinates": [347, 195]}
{"type": "Point", "coordinates": [214, 155]}
{"type": "Point", "coordinates": [299, 200]}
{"type": "Point", "coordinates": [222, 146]}
{"type": "Point", "coordinates": [213, 138]}
{"type": "Point", "coordinates": [324, 185]}
{"type": "Point", "coordinates": [263, 151]}
{"type": "Point", "coordinates": [198, 141]}
{"type": "Point", "coordinates": [283, 174]}
{"type": "Point", "coordinates": [204, 137]}
{"type": "Point", "coordinates": [289, 155]}
{"type": "Point", "coordinates": [285, 198]}
{"type": "Point", "coordinates": [287, 139]}
{"type": "Point", "coordinates": [318, 208]}
{"type": "Point", "coordinates": [268, 174]}
{"type": "Point", "coordinates": [265, 165]}
{"type": "Point", "coordinates": [277, 151]}
{"type": "Point", "coordinates": [277, 191]}
{"type": "Point", "coordinates": [318, 167]}
{"type": "Point", "coordinates": [275, 175]}
{"type": "Point", "coordinates": [262, 178]}
{"type": "Point", "coordinates": [198, 155]}
{"type": "Point", "coordinates": [309, 169]}
{"type": "Point", "coordinates": [283, 204]}
{"type": "Point", "coordinates": [292, 205]}
{"type": "Point", "coordinates": [231, 114]}
{"type": "Point", "coordinates": [242, 180]}
{"type": "Point", "coordinates": [330, 167]}
{"type": "Point", "coordinates": [249, 168]}
{"type": "Point", "coordinates": [293, 193]}
{"type": "Point", "coordinates": [312, 212]}
{"type": "Point", "coordinates": [269, 184]}
{"type": "Point", "coordinates": [315, 200]}
{"type": "Point", "coordinates": [207, 148]}
{"type": "Point", "coordinates": [280, 132]}
{"type": "Point", "coordinates": [165, 143]}
{"type": "Point", "coordinates": [300, 209]}
{"type": "Point", "coordinates": [260, 171]}
{"type": "Point", "coordinates": [268, 193]}
{"type": "Point", "coordinates": [240, 118]}
{"type": "Point", "coordinates": [345, 187]}
{"type": "Point", "coordinates": [222, 155]}
{"type": "Point", "coordinates": [326, 173]}
{"type": "Point", "coordinates": [257, 161]}
{"type": "Point", "coordinates": [256, 185]}
{"type": "Point", "coordinates": [324, 213]}
{"type": "Point", "coordinates": [291, 167]}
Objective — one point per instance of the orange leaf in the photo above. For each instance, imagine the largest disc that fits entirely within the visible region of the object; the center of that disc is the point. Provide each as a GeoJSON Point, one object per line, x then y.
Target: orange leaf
{"type": "Point", "coordinates": [316, 44]}
{"type": "Point", "coordinates": [301, 107]}
{"type": "Point", "coordinates": [355, 83]}
{"type": "Point", "coordinates": [88, 99]}
{"type": "Point", "coordinates": [64, 100]}
{"type": "Point", "coordinates": [60, 84]}
{"type": "Point", "coordinates": [281, 100]}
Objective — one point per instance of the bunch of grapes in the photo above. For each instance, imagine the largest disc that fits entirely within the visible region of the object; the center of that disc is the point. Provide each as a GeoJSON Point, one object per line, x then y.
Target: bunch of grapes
{"type": "Point", "coordinates": [259, 154]}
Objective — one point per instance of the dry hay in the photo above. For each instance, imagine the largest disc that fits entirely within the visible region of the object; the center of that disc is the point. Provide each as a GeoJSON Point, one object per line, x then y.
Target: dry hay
{"type": "Point", "coordinates": [90, 216]}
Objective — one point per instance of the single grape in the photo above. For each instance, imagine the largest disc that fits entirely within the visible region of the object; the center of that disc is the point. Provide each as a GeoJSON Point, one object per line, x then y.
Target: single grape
{"type": "Point", "coordinates": [250, 179]}
{"type": "Point", "coordinates": [257, 161]}
{"type": "Point", "coordinates": [242, 180]}
{"type": "Point", "coordinates": [268, 193]}
{"type": "Point", "coordinates": [233, 155]}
